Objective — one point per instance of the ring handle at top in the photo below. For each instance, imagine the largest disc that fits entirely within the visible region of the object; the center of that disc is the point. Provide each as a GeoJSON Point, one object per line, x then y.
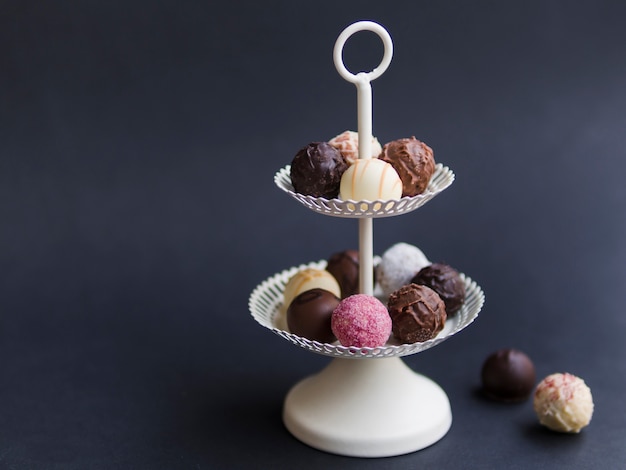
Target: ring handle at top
{"type": "Point", "coordinates": [343, 37]}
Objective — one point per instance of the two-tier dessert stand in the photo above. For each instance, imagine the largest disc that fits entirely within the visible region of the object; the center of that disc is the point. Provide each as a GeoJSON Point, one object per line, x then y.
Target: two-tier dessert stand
{"type": "Point", "coordinates": [366, 402]}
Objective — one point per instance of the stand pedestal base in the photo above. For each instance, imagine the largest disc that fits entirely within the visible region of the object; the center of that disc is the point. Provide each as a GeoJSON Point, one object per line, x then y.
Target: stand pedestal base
{"type": "Point", "coordinates": [367, 408]}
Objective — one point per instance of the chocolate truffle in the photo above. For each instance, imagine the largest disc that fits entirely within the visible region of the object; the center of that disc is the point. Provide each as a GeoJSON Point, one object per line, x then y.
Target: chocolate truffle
{"type": "Point", "coordinates": [563, 403]}
{"type": "Point", "coordinates": [414, 162]}
{"type": "Point", "coordinates": [344, 265]}
{"type": "Point", "coordinates": [307, 279]}
{"type": "Point", "coordinates": [446, 281]}
{"type": "Point", "coordinates": [508, 375]}
{"type": "Point", "coordinates": [398, 265]}
{"type": "Point", "coordinates": [362, 321]}
{"type": "Point", "coordinates": [309, 315]}
{"type": "Point", "coordinates": [348, 144]}
{"type": "Point", "coordinates": [417, 312]}
{"type": "Point", "coordinates": [316, 170]}
{"type": "Point", "coordinates": [370, 180]}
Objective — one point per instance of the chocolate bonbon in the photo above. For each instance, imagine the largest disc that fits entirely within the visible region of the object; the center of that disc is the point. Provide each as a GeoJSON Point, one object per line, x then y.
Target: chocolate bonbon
{"type": "Point", "coordinates": [309, 315]}
{"type": "Point", "coordinates": [361, 321]}
{"type": "Point", "coordinates": [370, 179]}
{"type": "Point", "coordinates": [508, 375]}
{"type": "Point", "coordinates": [398, 264]}
{"type": "Point", "coordinates": [417, 312]}
{"type": "Point", "coordinates": [344, 266]}
{"type": "Point", "coordinates": [446, 281]}
{"type": "Point", "coordinates": [316, 170]}
{"type": "Point", "coordinates": [309, 278]}
{"type": "Point", "coordinates": [348, 144]}
{"type": "Point", "coordinates": [414, 162]}
{"type": "Point", "coordinates": [563, 403]}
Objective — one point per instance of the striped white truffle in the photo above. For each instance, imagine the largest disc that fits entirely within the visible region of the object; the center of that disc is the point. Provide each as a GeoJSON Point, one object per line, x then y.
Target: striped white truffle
{"type": "Point", "coordinates": [369, 180]}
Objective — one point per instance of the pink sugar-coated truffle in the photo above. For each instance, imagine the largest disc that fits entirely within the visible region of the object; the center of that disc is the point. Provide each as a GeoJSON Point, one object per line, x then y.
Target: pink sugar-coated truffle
{"type": "Point", "coordinates": [361, 321]}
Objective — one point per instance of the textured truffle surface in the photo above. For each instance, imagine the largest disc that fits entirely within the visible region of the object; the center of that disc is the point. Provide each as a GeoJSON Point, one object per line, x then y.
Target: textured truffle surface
{"type": "Point", "coordinates": [307, 279]}
{"type": "Point", "coordinates": [417, 312]}
{"type": "Point", "coordinates": [361, 321]}
{"type": "Point", "coordinates": [398, 265]}
{"type": "Point", "coordinates": [446, 281]}
{"type": "Point", "coordinates": [316, 170]}
{"type": "Point", "coordinates": [563, 403]}
{"type": "Point", "coordinates": [508, 375]}
{"type": "Point", "coordinates": [414, 162]}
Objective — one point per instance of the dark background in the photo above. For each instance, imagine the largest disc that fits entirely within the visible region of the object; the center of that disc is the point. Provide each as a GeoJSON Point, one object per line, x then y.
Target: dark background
{"type": "Point", "coordinates": [138, 144]}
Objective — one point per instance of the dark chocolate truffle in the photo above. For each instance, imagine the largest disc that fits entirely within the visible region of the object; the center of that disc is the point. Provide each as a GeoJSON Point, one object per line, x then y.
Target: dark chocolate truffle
{"type": "Point", "coordinates": [345, 267]}
{"type": "Point", "coordinates": [316, 170]}
{"type": "Point", "coordinates": [446, 281]}
{"type": "Point", "coordinates": [417, 313]}
{"type": "Point", "coordinates": [309, 315]}
{"type": "Point", "coordinates": [508, 375]}
{"type": "Point", "coordinates": [414, 162]}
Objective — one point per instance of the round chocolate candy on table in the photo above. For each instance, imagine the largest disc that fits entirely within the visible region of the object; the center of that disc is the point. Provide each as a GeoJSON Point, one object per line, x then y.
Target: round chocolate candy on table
{"type": "Point", "coordinates": [563, 403]}
{"type": "Point", "coordinates": [344, 265]}
{"type": "Point", "coordinates": [508, 375]}
{"type": "Point", "coordinates": [309, 315]}
{"type": "Point", "coordinates": [446, 281]}
{"type": "Point", "coordinates": [316, 170]}
{"type": "Point", "coordinates": [417, 313]}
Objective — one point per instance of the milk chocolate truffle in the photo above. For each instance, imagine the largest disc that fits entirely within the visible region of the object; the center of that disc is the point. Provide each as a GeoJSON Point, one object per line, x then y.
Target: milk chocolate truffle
{"type": "Point", "coordinates": [563, 403]}
{"type": "Point", "coordinates": [446, 281]}
{"type": "Point", "coordinates": [309, 315]}
{"type": "Point", "coordinates": [414, 162]}
{"type": "Point", "coordinates": [316, 170]}
{"type": "Point", "coordinates": [508, 375]}
{"type": "Point", "coordinates": [417, 313]}
{"type": "Point", "coordinates": [344, 265]}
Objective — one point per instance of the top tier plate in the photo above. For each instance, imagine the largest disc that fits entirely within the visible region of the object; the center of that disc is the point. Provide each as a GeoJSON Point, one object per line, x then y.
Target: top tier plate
{"type": "Point", "coordinates": [441, 179]}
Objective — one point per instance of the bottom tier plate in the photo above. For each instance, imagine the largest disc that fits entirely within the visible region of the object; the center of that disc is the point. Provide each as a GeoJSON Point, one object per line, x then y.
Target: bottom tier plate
{"type": "Point", "coordinates": [266, 307]}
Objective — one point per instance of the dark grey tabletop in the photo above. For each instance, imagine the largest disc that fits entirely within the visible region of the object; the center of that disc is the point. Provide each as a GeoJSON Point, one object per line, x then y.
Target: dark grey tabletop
{"type": "Point", "coordinates": [138, 143]}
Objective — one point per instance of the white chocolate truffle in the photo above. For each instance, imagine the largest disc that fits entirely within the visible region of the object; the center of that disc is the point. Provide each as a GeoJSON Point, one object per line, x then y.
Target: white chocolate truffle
{"type": "Point", "coordinates": [307, 279]}
{"type": "Point", "coordinates": [369, 180]}
{"type": "Point", "coordinates": [398, 265]}
{"type": "Point", "coordinates": [348, 144]}
{"type": "Point", "coordinates": [563, 403]}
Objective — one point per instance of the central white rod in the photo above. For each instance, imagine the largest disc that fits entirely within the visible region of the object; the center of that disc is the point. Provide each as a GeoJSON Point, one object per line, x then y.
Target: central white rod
{"type": "Point", "coordinates": [364, 114]}
{"type": "Point", "coordinates": [366, 225]}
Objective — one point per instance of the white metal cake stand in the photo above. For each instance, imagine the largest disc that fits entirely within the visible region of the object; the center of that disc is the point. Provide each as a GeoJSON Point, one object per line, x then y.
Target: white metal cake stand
{"type": "Point", "coordinates": [367, 402]}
